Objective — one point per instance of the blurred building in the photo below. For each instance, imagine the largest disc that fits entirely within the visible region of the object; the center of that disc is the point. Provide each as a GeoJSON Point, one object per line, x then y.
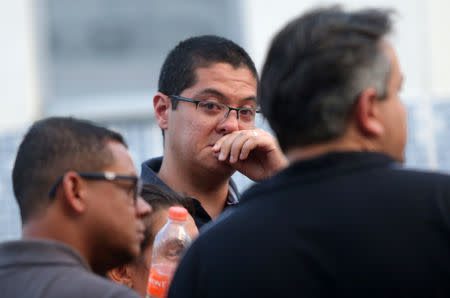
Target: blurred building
{"type": "Point", "coordinates": [100, 59]}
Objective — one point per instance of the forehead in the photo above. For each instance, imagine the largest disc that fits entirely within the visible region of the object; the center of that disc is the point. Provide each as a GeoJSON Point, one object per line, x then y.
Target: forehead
{"type": "Point", "coordinates": [225, 79]}
{"type": "Point", "coordinates": [159, 219]}
{"type": "Point", "coordinates": [122, 162]}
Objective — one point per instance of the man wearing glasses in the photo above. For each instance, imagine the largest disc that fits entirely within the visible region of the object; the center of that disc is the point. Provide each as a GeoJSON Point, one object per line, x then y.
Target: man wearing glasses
{"type": "Point", "coordinates": [81, 209]}
{"type": "Point", "coordinates": [206, 107]}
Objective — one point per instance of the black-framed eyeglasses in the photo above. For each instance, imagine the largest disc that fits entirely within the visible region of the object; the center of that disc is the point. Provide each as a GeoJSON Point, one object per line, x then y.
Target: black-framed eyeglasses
{"type": "Point", "coordinates": [108, 176]}
{"type": "Point", "coordinates": [220, 110]}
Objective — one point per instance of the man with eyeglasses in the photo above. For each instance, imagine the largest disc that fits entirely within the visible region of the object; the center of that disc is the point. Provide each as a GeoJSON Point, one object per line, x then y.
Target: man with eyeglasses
{"type": "Point", "coordinates": [206, 108]}
{"type": "Point", "coordinates": [81, 209]}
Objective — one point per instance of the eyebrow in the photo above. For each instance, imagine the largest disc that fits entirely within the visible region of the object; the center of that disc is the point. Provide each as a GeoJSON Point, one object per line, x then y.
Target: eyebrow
{"type": "Point", "coordinates": [215, 92]}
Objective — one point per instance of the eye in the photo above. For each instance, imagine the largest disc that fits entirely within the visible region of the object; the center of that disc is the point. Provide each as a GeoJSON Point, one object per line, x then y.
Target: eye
{"type": "Point", "coordinates": [247, 114]}
{"type": "Point", "coordinates": [130, 190]}
{"type": "Point", "coordinates": [210, 106]}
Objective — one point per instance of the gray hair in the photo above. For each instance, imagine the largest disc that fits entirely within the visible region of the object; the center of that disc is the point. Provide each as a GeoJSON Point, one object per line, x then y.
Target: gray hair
{"type": "Point", "coordinates": [334, 106]}
{"type": "Point", "coordinates": [317, 67]}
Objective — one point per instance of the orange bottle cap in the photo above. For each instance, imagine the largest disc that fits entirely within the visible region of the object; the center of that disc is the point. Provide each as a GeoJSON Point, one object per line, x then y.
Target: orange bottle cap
{"type": "Point", "coordinates": [177, 213]}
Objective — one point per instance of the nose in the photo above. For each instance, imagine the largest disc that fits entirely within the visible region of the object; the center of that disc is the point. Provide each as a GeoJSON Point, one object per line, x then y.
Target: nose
{"type": "Point", "coordinates": [142, 207]}
{"type": "Point", "coordinates": [228, 124]}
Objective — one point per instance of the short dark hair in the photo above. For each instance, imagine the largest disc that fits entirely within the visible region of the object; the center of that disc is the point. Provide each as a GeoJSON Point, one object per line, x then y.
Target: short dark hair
{"type": "Point", "coordinates": [178, 70]}
{"type": "Point", "coordinates": [317, 66]}
{"type": "Point", "coordinates": [159, 197]}
{"type": "Point", "coordinates": [50, 148]}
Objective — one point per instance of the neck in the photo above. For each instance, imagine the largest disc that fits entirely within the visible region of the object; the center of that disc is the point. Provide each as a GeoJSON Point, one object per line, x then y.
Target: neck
{"type": "Point", "coordinates": [210, 189]}
{"type": "Point", "coordinates": [54, 226]}
{"type": "Point", "coordinates": [348, 142]}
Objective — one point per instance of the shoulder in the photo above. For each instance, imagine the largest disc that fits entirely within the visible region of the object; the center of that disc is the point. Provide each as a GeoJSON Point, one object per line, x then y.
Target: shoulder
{"type": "Point", "coordinates": [150, 169]}
{"type": "Point", "coordinates": [118, 291]}
{"type": "Point", "coordinates": [414, 178]}
{"type": "Point", "coordinates": [87, 284]}
{"type": "Point", "coordinates": [391, 175]}
{"type": "Point", "coordinates": [152, 164]}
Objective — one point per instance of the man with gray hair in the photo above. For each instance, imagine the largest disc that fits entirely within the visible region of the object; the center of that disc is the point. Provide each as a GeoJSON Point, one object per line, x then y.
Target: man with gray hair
{"type": "Point", "coordinates": [344, 219]}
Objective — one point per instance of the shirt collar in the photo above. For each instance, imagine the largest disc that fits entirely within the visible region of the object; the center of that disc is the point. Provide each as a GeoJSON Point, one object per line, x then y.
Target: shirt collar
{"type": "Point", "coordinates": [149, 174]}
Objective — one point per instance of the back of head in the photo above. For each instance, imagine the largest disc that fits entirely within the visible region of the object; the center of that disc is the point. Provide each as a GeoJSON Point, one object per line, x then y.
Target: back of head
{"type": "Point", "coordinates": [160, 198]}
{"type": "Point", "coordinates": [178, 70]}
{"type": "Point", "coordinates": [315, 69]}
{"type": "Point", "coordinates": [52, 147]}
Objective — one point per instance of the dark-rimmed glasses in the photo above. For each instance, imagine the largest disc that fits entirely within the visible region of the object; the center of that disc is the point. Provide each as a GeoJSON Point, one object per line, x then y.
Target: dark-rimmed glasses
{"type": "Point", "coordinates": [108, 176]}
{"type": "Point", "coordinates": [220, 110]}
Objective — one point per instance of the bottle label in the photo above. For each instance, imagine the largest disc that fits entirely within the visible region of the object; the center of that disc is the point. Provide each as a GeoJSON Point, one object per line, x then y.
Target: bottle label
{"type": "Point", "coordinates": [158, 283]}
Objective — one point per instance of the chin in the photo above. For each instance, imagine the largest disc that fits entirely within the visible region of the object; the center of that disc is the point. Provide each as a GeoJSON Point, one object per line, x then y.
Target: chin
{"type": "Point", "coordinates": [211, 162]}
{"type": "Point", "coordinates": [223, 169]}
{"type": "Point", "coordinates": [135, 251]}
{"type": "Point", "coordinates": [212, 165]}
{"type": "Point", "coordinates": [130, 254]}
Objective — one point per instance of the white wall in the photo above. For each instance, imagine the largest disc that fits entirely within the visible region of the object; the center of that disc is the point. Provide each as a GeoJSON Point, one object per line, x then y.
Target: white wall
{"type": "Point", "coordinates": [439, 38]}
{"type": "Point", "coordinates": [18, 92]}
{"type": "Point", "coordinates": [421, 37]}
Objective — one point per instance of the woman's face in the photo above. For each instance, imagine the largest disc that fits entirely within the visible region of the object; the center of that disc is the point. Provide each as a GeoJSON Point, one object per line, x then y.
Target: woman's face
{"type": "Point", "coordinates": [139, 270]}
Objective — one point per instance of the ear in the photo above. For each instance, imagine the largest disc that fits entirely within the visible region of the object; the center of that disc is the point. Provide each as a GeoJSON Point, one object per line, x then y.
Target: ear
{"type": "Point", "coordinates": [121, 276]}
{"type": "Point", "coordinates": [162, 106]}
{"type": "Point", "coordinates": [367, 113]}
{"type": "Point", "coordinates": [74, 189]}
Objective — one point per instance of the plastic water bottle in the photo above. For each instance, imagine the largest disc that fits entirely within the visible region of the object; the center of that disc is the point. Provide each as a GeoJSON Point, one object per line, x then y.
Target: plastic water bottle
{"type": "Point", "coordinates": [168, 248]}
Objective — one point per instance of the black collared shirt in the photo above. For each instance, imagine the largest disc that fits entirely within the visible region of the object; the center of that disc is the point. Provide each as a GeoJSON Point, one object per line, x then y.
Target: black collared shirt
{"type": "Point", "coordinates": [149, 174]}
{"type": "Point", "coordinates": [345, 224]}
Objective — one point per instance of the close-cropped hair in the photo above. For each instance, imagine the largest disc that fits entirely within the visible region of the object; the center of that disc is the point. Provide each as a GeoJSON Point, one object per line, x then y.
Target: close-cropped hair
{"type": "Point", "coordinates": [161, 198]}
{"type": "Point", "coordinates": [316, 68]}
{"type": "Point", "coordinates": [49, 149]}
{"type": "Point", "coordinates": [178, 70]}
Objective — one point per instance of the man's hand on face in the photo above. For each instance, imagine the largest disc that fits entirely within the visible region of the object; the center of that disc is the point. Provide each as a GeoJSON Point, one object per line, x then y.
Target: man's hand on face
{"type": "Point", "coordinates": [255, 153]}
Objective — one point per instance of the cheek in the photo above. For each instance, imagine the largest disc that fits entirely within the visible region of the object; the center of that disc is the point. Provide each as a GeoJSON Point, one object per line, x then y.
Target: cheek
{"type": "Point", "coordinates": [195, 132]}
{"type": "Point", "coordinates": [402, 117]}
{"type": "Point", "coordinates": [112, 202]}
{"type": "Point", "coordinates": [126, 221]}
{"type": "Point", "coordinates": [245, 126]}
{"type": "Point", "coordinates": [184, 128]}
